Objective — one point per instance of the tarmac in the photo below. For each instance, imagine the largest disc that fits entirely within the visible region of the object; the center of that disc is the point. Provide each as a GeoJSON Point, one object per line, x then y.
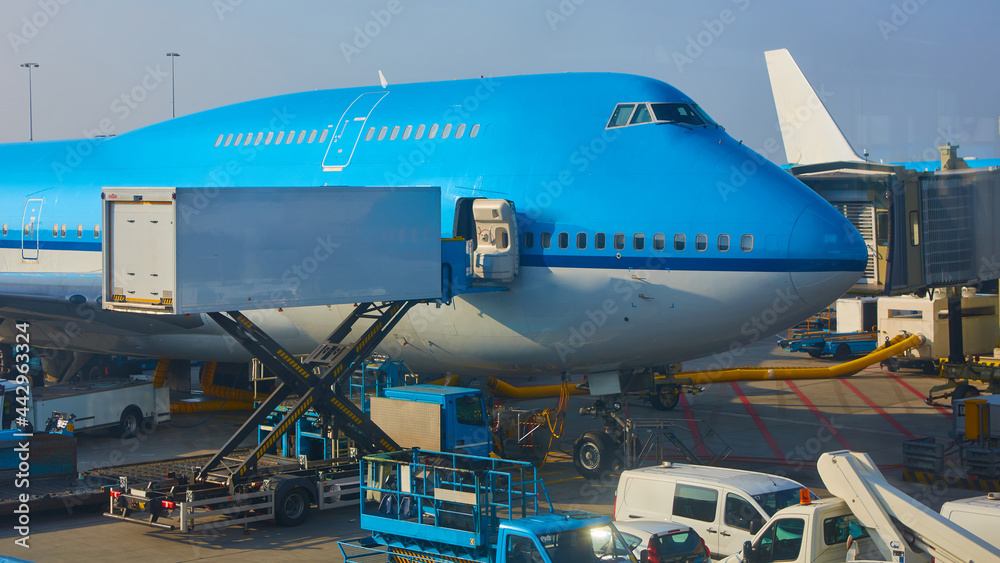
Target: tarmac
{"type": "Point", "coordinates": [778, 427]}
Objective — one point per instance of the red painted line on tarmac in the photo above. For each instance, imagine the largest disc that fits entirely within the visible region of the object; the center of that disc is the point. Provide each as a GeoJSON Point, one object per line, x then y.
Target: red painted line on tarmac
{"type": "Point", "coordinates": [700, 450]}
{"type": "Point", "coordinates": [941, 410]}
{"type": "Point", "coordinates": [756, 420]}
{"type": "Point", "coordinates": [822, 419]}
{"type": "Point", "coordinates": [879, 410]}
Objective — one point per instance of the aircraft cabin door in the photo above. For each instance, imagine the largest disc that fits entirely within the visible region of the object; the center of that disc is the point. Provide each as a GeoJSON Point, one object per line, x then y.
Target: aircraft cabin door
{"type": "Point", "coordinates": [496, 255]}
{"type": "Point", "coordinates": [348, 131]}
{"type": "Point", "coordinates": [29, 228]}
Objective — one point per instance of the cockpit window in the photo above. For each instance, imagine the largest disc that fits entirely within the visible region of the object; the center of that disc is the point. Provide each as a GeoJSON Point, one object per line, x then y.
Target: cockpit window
{"type": "Point", "coordinates": [621, 115]}
{"type": "Point", "coordinates": [641, 115]}
{"type": "Point", "coordinates": [678, 113]}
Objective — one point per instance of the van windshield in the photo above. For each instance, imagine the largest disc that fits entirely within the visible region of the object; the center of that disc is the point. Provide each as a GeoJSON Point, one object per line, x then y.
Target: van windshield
{"type": "Point", "coordinates": [773, 502]}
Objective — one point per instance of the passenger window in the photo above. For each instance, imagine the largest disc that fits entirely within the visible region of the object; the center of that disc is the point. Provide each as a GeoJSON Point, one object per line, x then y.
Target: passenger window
{"type": "Point", "coordinates": [619, 241]}
{"type": "Point", "coordinates": [394, 134]}
{"type": "Point", "coordinates": [420, 132]}
{"type": "Point", "coordinates": [679, 241]}
{"type": "Point", "coordinates": [62, 234]}
{"type": "Point", "coordinates": [581, 240]}
{"type": "Point", "coordinates": [290, 137]}
{"type": "Point", "coordinates": [641, 115]}
{"type": "Point", "coordinates": [248, 139]}
{"type": "Point", "coordinates": [433, 132]}
{"type": "Point", "coordinates": [723, 243]}
{"type": "Point", "coordinates": [55, 230]}
{"type": "Point", "coordinates": [407, 131]}
{"type": "Point", "coordinates": [5, 229]}
{"type": "Point", "coordinates": [475, 131]}
{"type": "Point", "coordinates": [459, 131]}
{"type": "Point", "coordinates": [312, 136]}
{"type": "Point", "coordinates": [746, 243]}
{"type": "Point", "coordinates": [529, 240]}
{"type": "Point", "coordinates": [621, 115]}
{"type": "Point", "coordinates": [260, 137]}
{"type": "Point", "coordinates": [563, 240]}
{"type": "Point", "coordinates": [701, 242]}
{"type": "Point", "coordinates": [97, 231]}
{"type": "Point", "coordinates": [382, 132]}
{"type": "Point", "coordinates": [219, 140]}
{"type": "Point", "coordinates": [269, 138]}
{"type": "Point", "coordinates": [741, 514]}
{"type": "Point", "coordinates": [446, 131]}
{"type": "Point", "coordinates": [229, 140]}
{"type": "Point", "coordinates": [639, 241]}
{"type": "Point", "coordinates": [302, 136]}
{"type": "Point", "coordinates": [546, 240]}
{"type": "Point", "coordinates": [659, 241]}
{"type": "Point", "coordinates": [695, 503]}
{"type": "Point", "coordinates": [368, 136]}
{"type": "Point", "coordinates": [599, 241]}
{"type": "Point", "coordinates": [281, 135]}
{"type": "Point", "coordinates": [79, 231]}
{"type": "Point", "coordinates": [322, 136]}
{"type": "Point", "coordinates": [238, 139]}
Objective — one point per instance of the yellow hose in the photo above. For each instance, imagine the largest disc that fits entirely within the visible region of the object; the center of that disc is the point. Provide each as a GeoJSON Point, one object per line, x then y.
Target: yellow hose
{"type": "Point", "coordinates": [208, 406]}
{"type": "Point", "coordinates": [896, 346]}
{"type": "Point", "coordinates": [160, 375]}
{"type": "Point", "coordinates": [223, 392]}
{"type": "Point", "coordinates": [532, 392]}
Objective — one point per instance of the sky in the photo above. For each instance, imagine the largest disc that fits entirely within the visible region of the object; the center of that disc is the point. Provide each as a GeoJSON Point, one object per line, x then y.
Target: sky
{"type": "Point", "coordinates": [900, 76]}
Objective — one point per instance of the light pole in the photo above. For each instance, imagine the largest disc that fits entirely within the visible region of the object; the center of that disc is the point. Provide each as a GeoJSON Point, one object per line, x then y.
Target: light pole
{"type": "Point", "coordinates": [173, 107]}
{"type": "Point", "coordinates": [31, 125]}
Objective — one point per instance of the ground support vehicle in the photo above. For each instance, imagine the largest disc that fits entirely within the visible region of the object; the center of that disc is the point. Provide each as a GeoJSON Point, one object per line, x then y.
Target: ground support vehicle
{"type": "Point", "coordinates": [841, 345]}
{"type": "Point", "coordinates": [979, 515]}
{"type": "Point", "coordinates": [431, 506]}
{"type": "Point", "coordinates": [39, 472]}
{"type": "Point", "coordinates": [724, 506]}
{"type": "Point", "coordinates": [121, 406]}
{"type": "Point", "coordinates": [868, 519]}
{"type": "Point", "coordinates": [968, 378]}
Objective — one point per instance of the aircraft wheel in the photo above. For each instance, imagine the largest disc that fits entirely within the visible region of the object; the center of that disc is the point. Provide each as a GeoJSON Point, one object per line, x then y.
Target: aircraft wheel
{"type": "Point", "coordinates": [291, 507]}
{"type": "Point", "coordinates": [594, 454]}
{"type": "Point", "coordinates": [843, 353]}
{"type": "Point", "coordinates": [665, 397]}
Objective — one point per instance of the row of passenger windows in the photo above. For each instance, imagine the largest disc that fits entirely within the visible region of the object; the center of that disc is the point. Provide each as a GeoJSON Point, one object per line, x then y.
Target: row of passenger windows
{"type": "Point", "coordinates": [57, 230]}
{"type": "Point", "coordinates": [431, 133]}
{"type": "Point", "coordinates": [297, 137]}
{"type": "Point", "coordinates": [638, 241]}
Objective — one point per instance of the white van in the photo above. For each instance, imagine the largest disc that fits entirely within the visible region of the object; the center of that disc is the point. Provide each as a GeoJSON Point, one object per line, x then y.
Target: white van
{"type": "Point", "coordinates": [979, 515]}
{"type": "Point", "coordinates": [725, 506]}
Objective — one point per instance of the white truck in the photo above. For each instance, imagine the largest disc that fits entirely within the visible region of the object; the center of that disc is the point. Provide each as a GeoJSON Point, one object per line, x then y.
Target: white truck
{"type": "Point", "coordinates": [119, 406]}
{"type": "Point", "coordinates": [868, 520]}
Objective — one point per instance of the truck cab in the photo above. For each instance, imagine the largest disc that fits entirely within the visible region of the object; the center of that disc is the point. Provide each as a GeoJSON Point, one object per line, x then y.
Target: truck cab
{"type": "Point", "coordinates": [434, 417]}
{"type": "Point", "coordinates": [815, 533]}
{"type": "Point", "coordinates": [561, 536]}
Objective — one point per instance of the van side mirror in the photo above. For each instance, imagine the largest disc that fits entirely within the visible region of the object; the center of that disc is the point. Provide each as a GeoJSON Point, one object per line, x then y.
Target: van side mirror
{"type": "Point", "coordinates": [755, 525]}
{"type": "Point", "coordinates": [644, 556]}
{"type": "Point", "coordinates": [749, 555]}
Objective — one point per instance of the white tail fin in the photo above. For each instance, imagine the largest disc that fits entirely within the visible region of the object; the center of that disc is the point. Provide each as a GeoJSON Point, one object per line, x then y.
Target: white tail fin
{"type": "Point", "coordinates": [810, 134]}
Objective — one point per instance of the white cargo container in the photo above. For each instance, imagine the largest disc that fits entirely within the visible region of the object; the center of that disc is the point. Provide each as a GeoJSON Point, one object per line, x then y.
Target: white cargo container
{"type": "Point", "coordinates": [196, 250]}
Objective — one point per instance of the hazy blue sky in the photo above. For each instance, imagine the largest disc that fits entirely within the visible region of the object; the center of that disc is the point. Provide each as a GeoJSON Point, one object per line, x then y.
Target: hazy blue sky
{"type": "Point", "coordinates": [902, 75]}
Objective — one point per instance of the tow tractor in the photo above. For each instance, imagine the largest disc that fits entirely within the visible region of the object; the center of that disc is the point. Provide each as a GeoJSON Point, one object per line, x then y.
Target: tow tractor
{"type": "Point", "coordinates": [435, 507]}
{"type": "Point", "coordinates": [868, 519]}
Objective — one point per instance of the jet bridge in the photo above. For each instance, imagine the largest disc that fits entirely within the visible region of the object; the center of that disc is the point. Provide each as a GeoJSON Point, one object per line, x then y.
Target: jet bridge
{"type": "Point", "coordinates": [221, 251]}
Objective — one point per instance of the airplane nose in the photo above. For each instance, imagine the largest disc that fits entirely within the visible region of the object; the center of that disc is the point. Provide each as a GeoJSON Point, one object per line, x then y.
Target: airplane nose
{"type": "Point", "coordinates": [826, 255]}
